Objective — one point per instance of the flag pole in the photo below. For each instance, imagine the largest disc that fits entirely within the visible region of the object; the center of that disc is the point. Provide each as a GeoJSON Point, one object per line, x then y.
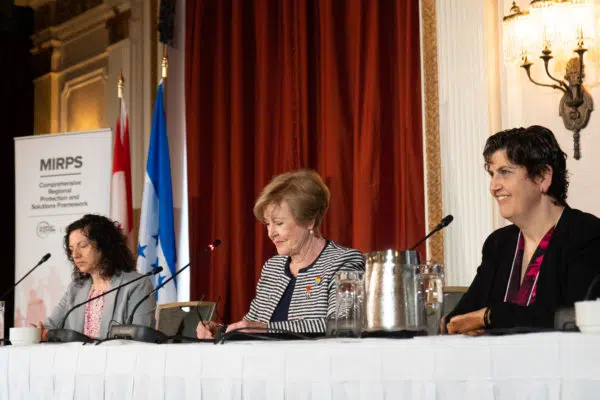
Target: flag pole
{"type": "Point", "coordinates": [165, 61]}
{"type": "Point", "coordinates": [120, 85]}
{"type": "Point", "coordinates": [165, 67]}
{"type": "Point", "coordinates": [166, 23]}
{"type": "Point", "coordinates": [121, 152]}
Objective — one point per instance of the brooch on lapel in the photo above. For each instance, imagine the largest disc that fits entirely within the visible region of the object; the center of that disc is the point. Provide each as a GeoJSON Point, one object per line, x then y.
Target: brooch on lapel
{"type": "Point", "coordinates": [307, 293]}
{"type": "Point", "coordinates": [318, 280]}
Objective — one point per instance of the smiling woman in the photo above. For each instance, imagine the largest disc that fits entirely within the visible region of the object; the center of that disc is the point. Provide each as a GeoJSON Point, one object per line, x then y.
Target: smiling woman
{"type": "Point", "coordinates": [296, 290]}
{"type": "Point", "coordinates": [547, 258]}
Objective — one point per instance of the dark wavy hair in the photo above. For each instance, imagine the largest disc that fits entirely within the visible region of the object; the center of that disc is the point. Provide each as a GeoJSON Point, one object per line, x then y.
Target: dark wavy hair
{"type": "Point", "coordinates": [107, 237]}
{"type": "Point", "coordinates": [536, 149]}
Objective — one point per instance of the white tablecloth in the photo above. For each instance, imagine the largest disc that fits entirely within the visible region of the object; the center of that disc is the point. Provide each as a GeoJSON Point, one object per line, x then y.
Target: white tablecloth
{"type": "Point", "coordinates": [531, 366]}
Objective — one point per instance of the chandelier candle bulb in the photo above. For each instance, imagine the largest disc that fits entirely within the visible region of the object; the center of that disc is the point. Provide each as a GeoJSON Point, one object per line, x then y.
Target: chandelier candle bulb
{"type": "Point", "coordinates": [557, 28]}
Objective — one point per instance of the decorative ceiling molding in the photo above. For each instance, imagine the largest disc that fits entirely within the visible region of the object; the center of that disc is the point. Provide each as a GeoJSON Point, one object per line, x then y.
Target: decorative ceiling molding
{"type": "Point", "coordinates": [83, 17]}
{"type": "Point", "coordinates": [57, 12]}
{"type": "Point", "coordinates": [79, 82]}
{"type": "Point", "coordinates": [32, 3]}
{"type": "Point", "coordinates": [79, 18]}
{"type": "Point", "coordinates": [118, 26]}
{"type": "Point", "coordinates": [75, 27]}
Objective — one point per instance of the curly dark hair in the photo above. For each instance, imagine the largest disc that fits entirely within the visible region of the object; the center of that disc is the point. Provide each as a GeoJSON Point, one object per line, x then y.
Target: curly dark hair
{"type": "Point", "coordinates": [536, 149]}
{"type": "Point", "coordinates": [107, 237]}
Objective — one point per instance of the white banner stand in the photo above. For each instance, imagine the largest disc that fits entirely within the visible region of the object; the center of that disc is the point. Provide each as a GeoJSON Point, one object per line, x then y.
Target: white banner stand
{"type": "Point", "coordinates": [58, 178]}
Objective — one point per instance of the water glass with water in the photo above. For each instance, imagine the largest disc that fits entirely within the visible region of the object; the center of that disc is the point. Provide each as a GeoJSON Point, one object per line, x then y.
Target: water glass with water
{"type": "Point", "coordinates": [2, 308]}
{"type": "Point", "coordinates": [347, 320]}
{"type": "Point", "coordinates": [432, 292]}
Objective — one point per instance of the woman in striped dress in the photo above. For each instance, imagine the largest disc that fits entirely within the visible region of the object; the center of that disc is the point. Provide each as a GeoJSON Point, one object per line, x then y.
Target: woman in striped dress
{"type": "Point", "coordinates": [296, 290]}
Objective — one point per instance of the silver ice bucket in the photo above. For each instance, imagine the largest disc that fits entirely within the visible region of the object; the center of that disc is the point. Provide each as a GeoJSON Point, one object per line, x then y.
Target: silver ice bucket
{"type": "Point", "coordinates": [393, 299]}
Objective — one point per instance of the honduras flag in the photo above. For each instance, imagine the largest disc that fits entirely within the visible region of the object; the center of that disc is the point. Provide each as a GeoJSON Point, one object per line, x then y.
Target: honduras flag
{"type": "Point", "coordinates": [156, 241]}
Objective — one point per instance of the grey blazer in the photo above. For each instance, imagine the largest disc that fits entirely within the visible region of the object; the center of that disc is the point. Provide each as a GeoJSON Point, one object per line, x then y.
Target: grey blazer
{"type": "Point", "coordinates": [117, 305]}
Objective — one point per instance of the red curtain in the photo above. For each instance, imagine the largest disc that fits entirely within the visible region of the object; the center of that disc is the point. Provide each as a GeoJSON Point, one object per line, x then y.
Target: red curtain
{"type": "Point", "coordinates": [276, 85]}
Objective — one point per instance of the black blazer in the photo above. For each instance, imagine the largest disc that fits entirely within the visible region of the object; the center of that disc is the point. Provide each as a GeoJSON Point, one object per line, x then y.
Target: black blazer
{"type": "Point", "coordinates": [570, 264]}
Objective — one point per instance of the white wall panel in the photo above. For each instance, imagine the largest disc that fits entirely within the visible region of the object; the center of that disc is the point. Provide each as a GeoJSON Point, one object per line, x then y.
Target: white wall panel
{"type": "Point", "coordinates": [464, 127]}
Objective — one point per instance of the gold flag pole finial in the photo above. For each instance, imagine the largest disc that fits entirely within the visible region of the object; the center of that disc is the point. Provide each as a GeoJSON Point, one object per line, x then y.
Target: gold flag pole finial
{"type": "Point", "coordinates": [120, 85]}
{"type": "Point", "coordinates": [165, 61]}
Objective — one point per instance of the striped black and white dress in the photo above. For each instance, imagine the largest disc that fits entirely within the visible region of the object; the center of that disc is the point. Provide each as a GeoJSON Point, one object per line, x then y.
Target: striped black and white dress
{"type": "Point", "coordinates": [313, 298]}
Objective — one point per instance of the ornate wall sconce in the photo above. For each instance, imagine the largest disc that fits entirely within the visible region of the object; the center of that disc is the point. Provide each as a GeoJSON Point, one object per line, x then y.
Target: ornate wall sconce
{"type": "Point", "coordinates": [551, 27]}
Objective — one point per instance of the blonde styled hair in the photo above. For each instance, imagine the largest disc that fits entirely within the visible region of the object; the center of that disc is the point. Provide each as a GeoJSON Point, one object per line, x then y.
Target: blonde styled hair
{"type": "Point", "coordinates": [304, 191]}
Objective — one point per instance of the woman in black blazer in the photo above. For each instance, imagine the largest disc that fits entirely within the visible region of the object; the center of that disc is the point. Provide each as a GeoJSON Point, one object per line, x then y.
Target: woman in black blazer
{"type": "Point", "coordinates": [547, 259]}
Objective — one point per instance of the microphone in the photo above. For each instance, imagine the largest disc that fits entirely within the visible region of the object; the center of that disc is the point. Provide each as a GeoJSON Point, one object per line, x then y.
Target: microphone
{"type": "Point", "coordinates": [565, 318]}
{"type": "Point", "coordinates": [69, 335]}
{"type": "Point", "coordinates": [443, 223]}
{"type": "Point", "coordinates": [43, 260]}
{"type": "Point", "coordinates": [210, 247]}
{"type": "Point", "coordinates": [144, 333]}
{"type": "Point", "coordinates": [589, 293]}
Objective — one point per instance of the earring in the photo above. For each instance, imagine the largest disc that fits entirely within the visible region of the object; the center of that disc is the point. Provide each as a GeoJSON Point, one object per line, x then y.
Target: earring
{"type": "Point", "coordinates": [311, 231]}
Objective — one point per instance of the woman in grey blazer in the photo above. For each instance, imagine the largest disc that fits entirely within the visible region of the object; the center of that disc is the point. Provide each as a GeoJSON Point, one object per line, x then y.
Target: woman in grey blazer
{"type": "Point", "coordinates": [101, 260]}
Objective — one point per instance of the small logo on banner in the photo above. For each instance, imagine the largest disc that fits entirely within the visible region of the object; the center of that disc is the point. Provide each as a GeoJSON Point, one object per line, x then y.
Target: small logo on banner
{"type": "Point", "coordinates": [44, 229]}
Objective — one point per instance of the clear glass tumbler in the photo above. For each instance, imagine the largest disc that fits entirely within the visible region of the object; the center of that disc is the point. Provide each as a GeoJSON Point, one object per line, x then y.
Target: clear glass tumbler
{"type": "Point", "coordinates": [2, 308]}
{"type": "Point", "coordinates": [432, 291]}
{"type": "Point", "coordinates": [347, 320]}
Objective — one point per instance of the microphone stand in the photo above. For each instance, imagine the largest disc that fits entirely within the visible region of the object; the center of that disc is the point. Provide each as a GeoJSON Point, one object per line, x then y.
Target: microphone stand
{"type": "Point", "coordinates": [565, 318]}
{"type": "Point", "coordinates": [43, 260]}
{"type": "Point", "coordinates": [443, 223]}
{"type": "Point", "coordinates": [69, 335]}
{"type": "Point", "coordinates": [144, 333]}
{"type": "Point", "coordinates": [4, 332]}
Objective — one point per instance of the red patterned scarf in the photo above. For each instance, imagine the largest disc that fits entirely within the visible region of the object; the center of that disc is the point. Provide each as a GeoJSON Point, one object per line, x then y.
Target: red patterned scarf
{"type": "Point", "coordinates": [523, 293]}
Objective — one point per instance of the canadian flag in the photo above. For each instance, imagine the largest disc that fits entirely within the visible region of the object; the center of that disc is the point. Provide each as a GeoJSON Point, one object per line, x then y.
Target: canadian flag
{"type": "Point", "coordinates": [121, 209]}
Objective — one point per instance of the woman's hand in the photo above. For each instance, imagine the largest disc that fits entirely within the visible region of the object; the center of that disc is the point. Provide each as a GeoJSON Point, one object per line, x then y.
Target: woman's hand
{"type": "Point", "coordinates": [471, 323]}
{"type": "Point", "coordinates": [44, 335]}
{"type": "Point", "coordinates": [476, 332]}
{"type": "Point", "coordinates": [443, 326]}
{"type": "Point", "coordinates": [248, 324]}
{"type": "Point", "coordinates": [207, 330]}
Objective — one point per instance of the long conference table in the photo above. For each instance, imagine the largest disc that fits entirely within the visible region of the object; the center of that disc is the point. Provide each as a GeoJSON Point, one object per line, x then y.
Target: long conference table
{"type": "Point", "coordinates": [525, 366]}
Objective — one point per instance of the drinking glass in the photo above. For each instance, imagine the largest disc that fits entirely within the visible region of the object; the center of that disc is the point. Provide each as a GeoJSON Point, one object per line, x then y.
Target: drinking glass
{"type": "Point", "coordinates": [347, 320]}
{"type": "Point", "coordinates": [2, 306]}
{"type": "Point", "coordinates": [432, 291]}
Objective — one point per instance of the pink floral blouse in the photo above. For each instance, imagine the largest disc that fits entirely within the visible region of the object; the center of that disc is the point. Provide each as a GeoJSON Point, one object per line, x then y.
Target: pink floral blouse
{"type": "Point", "coordinates": [93, 314]}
